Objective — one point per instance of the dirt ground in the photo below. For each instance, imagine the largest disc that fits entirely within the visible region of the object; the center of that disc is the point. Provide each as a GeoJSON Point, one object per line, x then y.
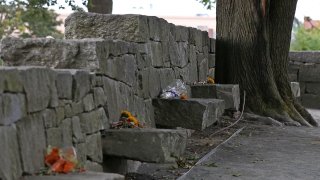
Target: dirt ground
{"type": "Point", "coordinates": [259, 151]}
{"type": "Point", "coordinates": [198, 145]}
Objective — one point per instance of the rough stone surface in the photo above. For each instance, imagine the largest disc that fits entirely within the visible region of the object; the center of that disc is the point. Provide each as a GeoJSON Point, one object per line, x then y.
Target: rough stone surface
{"type": "Point", "coordinates": [88, 103]}
{"type": "Point", "coordinates": [94, 121]}
{"type": "Point", "coordinates": [120, 68]}
{"type": "Point", "coordinates": [93, 166]}
{"type": "Point", "coordinates": [191, 113]}
{"type": "Point", "coordinates": [12, 108]}
{"type": "Point", "coordinates": [54, 137]}
{"type": "Point", "coordinates": [78, 136]}
{"type": "Point", "coordinates": [212, 43]}
{"type": "Point", "coordinates": [309, 73]}
{"type": "Point", "coordinates": [212, 61]}
{"type": "Point", "coordinates": [49, 118]}
{"type": "Point", "coordinates": [99, 97]}
{"type": "Point", "coordinates": [305, 56]}
{"type": "Point", "coordinates": [39, 85]}
{"type": "Point", "coordinates": [10, 80]}
{"type": "Point", "coordinates": [32, 142]}
{"type": "Point", "coordinates": [78, 54]}
{"type": "Point", "coordinates": [228, 92]}
{"type": "Point", "coordinates": [64, 84]}
{"type": "Point", "coordinates": [81, 84]}
{"type": "Point", "coordinates": [159, 145]}
{"type": "Point", "coordinates": [81, 176]}
{"type": "Point", "coordinates": [10, 166]}
{"type": "Point", "coordinates": [313, 88]}
{"type": "Point", "coordinates": [295, 88]}
{"type": "Point", "coordinates": [311, 101]}
{"type": "Point", "coordinates": [94, 147]}
{"type": "Point", "coordinates": [81, 25]}
{"type": "Point", "coordinates": [66, 132]}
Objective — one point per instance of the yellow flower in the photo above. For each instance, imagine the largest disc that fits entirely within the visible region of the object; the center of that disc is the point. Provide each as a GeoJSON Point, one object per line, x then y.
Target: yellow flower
{"type": "Point", "coordinates": [134, 120]}
{"type": "Point", "coordinates": [125, 114]}
{"type": "Point", "coordinates": [210, 80]}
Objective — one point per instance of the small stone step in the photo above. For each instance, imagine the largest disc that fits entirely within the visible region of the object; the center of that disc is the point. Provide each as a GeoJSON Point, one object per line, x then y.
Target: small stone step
{"type": "Point", "coordinates": [230, 93]}
{"type": "Point", "coordinates": [145, 144]}
{"type": "Point", "coordinates": [78, 176]}
{"type": "Point", "coordinates": [192, 113]}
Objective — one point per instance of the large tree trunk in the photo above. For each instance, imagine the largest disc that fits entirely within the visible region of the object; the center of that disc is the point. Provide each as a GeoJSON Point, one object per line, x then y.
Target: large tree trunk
{"type": "Point", "coordinates": [253, 39]}
{"type": "Point", "coordinates": [100, 6]}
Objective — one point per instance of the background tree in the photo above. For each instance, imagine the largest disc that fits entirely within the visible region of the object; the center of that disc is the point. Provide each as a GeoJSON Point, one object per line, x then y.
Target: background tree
{"type": "Point", "coordinates": [253, 40]}
{"type": "Point", "coordinates": [30, 18]}
{"type": "Point", "coordinates": [306, 39]}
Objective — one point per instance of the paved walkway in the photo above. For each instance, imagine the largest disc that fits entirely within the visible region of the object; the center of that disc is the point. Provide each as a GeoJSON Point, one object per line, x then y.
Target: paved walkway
{"type": "Point", "coordinates": [264, 152]}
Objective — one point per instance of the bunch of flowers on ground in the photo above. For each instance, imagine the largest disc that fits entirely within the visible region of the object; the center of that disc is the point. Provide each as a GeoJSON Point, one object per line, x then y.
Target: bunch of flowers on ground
{"type": "Point", "coordinates": [127, 120]}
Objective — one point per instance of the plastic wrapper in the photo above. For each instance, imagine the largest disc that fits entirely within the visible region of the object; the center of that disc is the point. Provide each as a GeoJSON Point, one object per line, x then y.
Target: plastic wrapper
{"type": "Point", "coordinates": [174, 90]}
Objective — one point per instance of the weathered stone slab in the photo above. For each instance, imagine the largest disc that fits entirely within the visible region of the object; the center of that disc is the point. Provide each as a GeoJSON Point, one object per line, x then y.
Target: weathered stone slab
{"type": "Point", "coordinates": [309, 73]}
{"type": "Point", "coordinates": [313, 88]}
{"type": "Point", "coordinates": [99, 97]}
{"type": "Point", "coordinates": [212, 61]}
{"type": "Point", "coordinates": [64, 84]}
{"type": "Point", "coordinates": [94, 121]}
{"type": "Point", "coordinates": [212, 46]}
{"type": "Point", "coordinates": [78, 176]}
{"type": "Point", "coordinates": [39, 85]}
{"type": "Point", "coordinates": [191, 113]}
{"type": "Point", "coordinates": [10, 166]}
{"type": "Point", "coordinates": [32, 142]}
{"type": "Point", "coordinates": [228, 92]}
{"type": "Point", "coordinates": [82, 25]}
{"type": "Point", "coordinates": [148, 145]}
{"type": "Point", "coordinates": [10, 80]}
{"type": "Point", "coordinates": [12, 108]}
{"type": "Point", "coordinates": [94, 147]}
{"type": "Point", "coordinates": [88, 102]}
{"type": "Point", "coordinates": [54, 137]}
{"type": "Point", "coordinates": [305, 56]}
{"type": "Point", "coordinates": [77, 135]}
{"type": "Point", "coordinates": [66, 54]}
{"type": "Point", "coordinates": [120, 68]}
{"type": "Point", "coordinates": [81, 84]}
{"type": "Point", "coordinates": [311, 101]}
{"type": "Point", "coordinates": [295, 88]}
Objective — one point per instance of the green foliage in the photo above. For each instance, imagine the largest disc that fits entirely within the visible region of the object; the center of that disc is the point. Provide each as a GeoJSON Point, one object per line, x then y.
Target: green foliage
{"type": "Point", "coordinates": [306, 39]}
{"type": "Point", "coordinates": [30, 18]}
{"type": "Point", "coordinates": [207, 3]}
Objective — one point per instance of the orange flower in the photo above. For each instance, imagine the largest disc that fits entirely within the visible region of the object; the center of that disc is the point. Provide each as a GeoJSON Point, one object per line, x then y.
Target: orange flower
{"type": "Point", "coordinates": [125, 114]}
{"type": "Point", "coordinates": [58, 166]}
{"type": "Point", "coordinates": [134, 120]}
{"type": "Point", "coordinates": [68, 167]}
{"type": "Point", "coordinates": [210, 80]}
{"type": "Point", "coordinates": [183, 97]}
{"type": "Point", "coordinates": [52, 157]}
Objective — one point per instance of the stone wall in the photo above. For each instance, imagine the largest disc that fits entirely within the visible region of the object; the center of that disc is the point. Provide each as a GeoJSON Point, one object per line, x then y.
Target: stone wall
{"type": "Point", "coordinates": [304, 68]}
{"type": "Point", "coordinates": [43, 106]}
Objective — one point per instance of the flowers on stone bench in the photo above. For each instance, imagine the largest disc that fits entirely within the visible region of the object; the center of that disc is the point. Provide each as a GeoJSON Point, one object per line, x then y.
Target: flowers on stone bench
{"type": "Point", "coordinates": [210, 80]}
{"type": "Point", "coordinates": [127, 120]}
{"type": "Point", "coordinates": [61, 160]}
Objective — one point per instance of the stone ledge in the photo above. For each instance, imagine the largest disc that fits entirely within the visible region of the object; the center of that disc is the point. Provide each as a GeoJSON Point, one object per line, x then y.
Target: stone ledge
{"type": "Point", "coordinates": [79, 176]}
{"type": "Point", "coordinates": [191, 113]}
{"type": "Point", "coordinates": [230, 93]}
{"type": "Point", "coordinates": [147, 145]}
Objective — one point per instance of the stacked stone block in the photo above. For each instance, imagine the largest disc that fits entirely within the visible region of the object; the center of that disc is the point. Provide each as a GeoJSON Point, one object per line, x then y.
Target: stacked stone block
{"type": "Point", "coordinates": [304, 67]}
{"type": "Point", "coordinates": [41, 107]}
{"type": "Point", "coordinates": [126, 61]}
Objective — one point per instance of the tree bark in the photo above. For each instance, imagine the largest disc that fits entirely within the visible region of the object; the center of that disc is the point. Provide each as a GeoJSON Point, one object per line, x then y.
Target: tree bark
{"type": "Point", "coordinates": [100, 6]}
{"type": "Point", "coordinates": [253, 39]}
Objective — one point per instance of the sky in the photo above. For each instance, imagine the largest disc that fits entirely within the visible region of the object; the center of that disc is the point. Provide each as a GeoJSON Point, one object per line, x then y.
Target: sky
{"type": "Point", "coordinates": [192, 8]}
